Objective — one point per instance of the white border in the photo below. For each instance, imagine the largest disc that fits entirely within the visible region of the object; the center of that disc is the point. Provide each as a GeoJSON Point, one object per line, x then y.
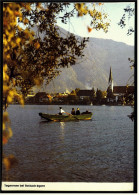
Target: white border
{"type": "Point", "coordinates": [66, 186]}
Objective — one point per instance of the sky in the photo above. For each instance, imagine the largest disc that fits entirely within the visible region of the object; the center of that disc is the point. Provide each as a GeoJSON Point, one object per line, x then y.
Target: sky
{"type": "Point", "coordinates": [115, 11]}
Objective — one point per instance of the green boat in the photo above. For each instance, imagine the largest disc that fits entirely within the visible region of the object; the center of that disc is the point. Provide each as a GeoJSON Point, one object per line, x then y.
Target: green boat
{"type": "Point", "coordinates": [64, 118]}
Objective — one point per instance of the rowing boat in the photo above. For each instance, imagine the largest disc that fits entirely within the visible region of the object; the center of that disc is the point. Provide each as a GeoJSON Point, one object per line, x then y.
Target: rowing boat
{"type": "Point", "coordinates": [64, 118]}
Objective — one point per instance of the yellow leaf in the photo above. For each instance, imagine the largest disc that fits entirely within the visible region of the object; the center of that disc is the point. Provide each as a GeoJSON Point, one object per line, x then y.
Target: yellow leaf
{"type": "Point", "coordinates": [5, 67]}
{"type": "Point", "coordinates": [38, 81]}
{"type": "Point", "coordinates": [9, 162]}
{"type": "Point", "coordinates": [27, 6]}
{"type": "Point", "coordinates": [6, 163]}
{"type": "Point", "coordinates": [9, 99]}
{"type": "Point", "coordinates": [10, 132]}
{"type": "Point", "coordinates": [5, 117]}
{"type": "Point", "coordinates": [3, 126]}
{"type": "Point", "coordinates": [19, 28]}
{"type": "Point", "coordinates": [37, 45]}
{"type": "Point", "coordinates": [18, 40]}
{"type": "Point", "coordinates": [26, 21]}
{"type": "Point", "coordinates": [39, 5]}
{"type": "Point", "coordinates": [5, 77]}
{"type": "Point", "coordinates": [5, 89]}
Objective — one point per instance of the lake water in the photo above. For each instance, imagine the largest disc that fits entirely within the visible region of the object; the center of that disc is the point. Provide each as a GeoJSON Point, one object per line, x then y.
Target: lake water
{"type": "Point", "coordinates": [98, 150]}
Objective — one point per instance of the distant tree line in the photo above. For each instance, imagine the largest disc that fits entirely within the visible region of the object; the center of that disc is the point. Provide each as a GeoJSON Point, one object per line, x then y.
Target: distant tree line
{"type": "Point", "coordinates": [82, 97]}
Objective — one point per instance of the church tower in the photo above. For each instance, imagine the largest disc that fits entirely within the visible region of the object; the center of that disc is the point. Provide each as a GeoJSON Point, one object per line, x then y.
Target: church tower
{"type": "Point", "coordinates": [110, 82]}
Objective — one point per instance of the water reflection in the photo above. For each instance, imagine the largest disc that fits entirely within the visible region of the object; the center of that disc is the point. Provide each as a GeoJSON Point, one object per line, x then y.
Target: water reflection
{"type": "Point", "coordinates": [62, 130]}
{"type": "Point", "coordinates": [45, 121]}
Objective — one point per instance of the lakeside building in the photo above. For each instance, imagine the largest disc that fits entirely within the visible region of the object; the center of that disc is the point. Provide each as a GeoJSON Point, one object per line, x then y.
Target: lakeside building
{"type": "Point", "coordinates": [117, 93]}
{"type": "Point", "coordinates": [85, 93]}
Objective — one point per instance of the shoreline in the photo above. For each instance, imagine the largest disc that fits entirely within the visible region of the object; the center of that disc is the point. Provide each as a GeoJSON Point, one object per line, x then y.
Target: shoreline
{"type": "Point", "coordinates": [76, 104]}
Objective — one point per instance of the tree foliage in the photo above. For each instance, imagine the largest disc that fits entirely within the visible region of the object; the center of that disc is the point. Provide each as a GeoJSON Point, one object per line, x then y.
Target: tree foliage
{"type": "Point", "coordinates": [129, 12]}
{"type": "Point", "coordinates": [93, 93]}
{"type": "Point", "coordinates": [30, 57]}
{"type": "Point", "coordinates": [99, 95]}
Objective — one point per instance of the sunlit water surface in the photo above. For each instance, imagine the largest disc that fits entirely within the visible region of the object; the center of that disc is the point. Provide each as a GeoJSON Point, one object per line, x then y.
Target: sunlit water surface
{"type": "Point", "coordinates": [99, 150]}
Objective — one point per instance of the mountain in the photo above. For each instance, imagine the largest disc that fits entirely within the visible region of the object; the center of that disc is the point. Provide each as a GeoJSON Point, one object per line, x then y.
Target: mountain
{"type": "Point", "coordinates": [93, 69]}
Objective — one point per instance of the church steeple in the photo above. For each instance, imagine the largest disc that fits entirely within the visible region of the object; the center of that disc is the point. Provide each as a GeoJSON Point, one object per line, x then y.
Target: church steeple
{"type": "Point", "coordinates": [110, 76]}
{"type": "Point", "coordinates": [110, 82]}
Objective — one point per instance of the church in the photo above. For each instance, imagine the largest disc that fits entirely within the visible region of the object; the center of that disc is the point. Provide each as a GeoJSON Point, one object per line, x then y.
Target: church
{"type": "Point", "coordinates": [117, 92]}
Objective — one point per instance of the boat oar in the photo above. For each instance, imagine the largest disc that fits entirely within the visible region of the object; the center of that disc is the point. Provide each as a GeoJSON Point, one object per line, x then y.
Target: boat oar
{"type": "Point", "coordinates": [72, 115]}
{"type": "Point", "coordinates": [75, 117]}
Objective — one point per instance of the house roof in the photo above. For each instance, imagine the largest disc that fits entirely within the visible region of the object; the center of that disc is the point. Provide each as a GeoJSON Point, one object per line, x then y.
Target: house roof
{"type": "Point", "coordinates": [41, 94]}
{"type": "Point", "coordinates": [123, 89]}
{"type": "Point", "coordinates": [84, 93]}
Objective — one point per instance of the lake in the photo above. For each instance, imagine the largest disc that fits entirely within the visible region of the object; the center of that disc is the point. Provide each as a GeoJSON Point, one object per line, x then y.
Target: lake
{"type": "Point", "coordinates": [98, 150]}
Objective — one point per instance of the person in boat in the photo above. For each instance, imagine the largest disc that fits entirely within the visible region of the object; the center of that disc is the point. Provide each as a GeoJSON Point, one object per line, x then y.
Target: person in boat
{"type": "Point", "coordinates": [86, 112]}
{"type": "Point", "coordinates": [77, 111]}
{"type": "Point", "coordinates": [61, 111]}
{"type": "Point", "coordinates": [73, 111]}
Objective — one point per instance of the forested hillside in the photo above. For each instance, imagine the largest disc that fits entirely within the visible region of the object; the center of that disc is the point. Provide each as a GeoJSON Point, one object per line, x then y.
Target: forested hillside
{"type": "Point", "coordinates": [93, 69]}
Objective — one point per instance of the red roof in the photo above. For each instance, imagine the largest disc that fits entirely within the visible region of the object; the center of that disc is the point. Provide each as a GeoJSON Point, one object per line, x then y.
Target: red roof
{"type": "Point", "coordinates": [40, 94]}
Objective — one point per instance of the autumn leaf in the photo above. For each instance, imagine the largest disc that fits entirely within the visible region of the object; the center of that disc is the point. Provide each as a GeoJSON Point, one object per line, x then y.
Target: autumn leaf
{"type": "Point", "coordinates": [37, 45]}
{"type": "Point", "coordinates": [26, 21]}
{"type": "Point", "coordinates": [38, 81]}
{"type": "Point", "coordinates": [5, 117]}
{"type": "Point", "coordinates": [89, 29]}
{"type": "Point", "coordinates": [5, 136]}
{"type": "Point", "coordinates": [27, 6]}
{"type": "Point", "coordinates": [9, 162]}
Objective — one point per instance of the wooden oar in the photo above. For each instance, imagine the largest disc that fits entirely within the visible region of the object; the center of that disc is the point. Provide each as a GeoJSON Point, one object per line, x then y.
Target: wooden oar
{"type": "Point", "coordinates": [75, 117]}
{"type": "Point", "coordinates": [72, 115]}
